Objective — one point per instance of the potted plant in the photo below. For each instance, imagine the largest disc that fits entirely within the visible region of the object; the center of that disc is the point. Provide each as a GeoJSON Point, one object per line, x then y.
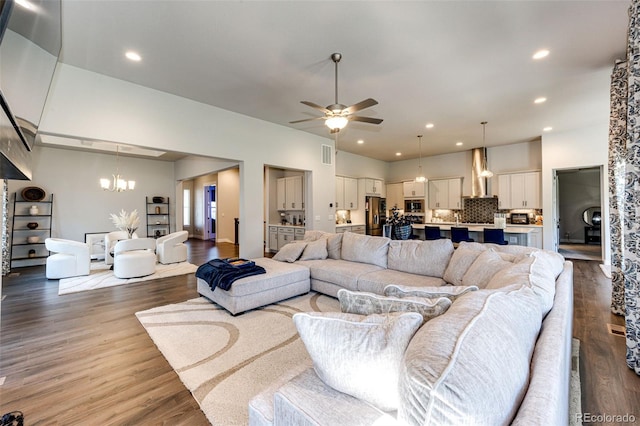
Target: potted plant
{"type": "Point", "coordinates": [401, 224]}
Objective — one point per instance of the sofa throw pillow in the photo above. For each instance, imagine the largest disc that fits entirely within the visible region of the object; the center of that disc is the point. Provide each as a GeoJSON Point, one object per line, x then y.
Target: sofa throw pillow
{"type": "Point", "coordinates": [334, 246]}
{"type": "Point", "coordinates": [516, 274]}
{"type": "Point", "coordinates": [484, 268]}
{"type": "Point", "coordinates": [461, 260]}
{"type": "Point", "coordinates": [363, 303]}
{"type": "Point", "coordinates": [290, 252]}
{"type": "Point", "coordinates": [359, 355]}
{"type": "Point", "coordinates": [365, 249]}
{"type": "Point", "coordinates": [428, 258]}
{"type": "Point", "coordinates": [313, 235]}
{"type": "Point", "coordinates": [315, 250]}
{"type": "Point", "coordinates": [448, 291]}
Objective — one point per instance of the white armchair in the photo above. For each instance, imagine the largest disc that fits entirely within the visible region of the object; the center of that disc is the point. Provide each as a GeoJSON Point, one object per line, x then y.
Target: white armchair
{"type": "Point", "coordinates": [72, 258]}
{"type": "Point", "coordinates": [134, 258]}
{"type": "Point", "coordinates": [171, 248]}
{"type": "Point", "coordinates": [110, 241]}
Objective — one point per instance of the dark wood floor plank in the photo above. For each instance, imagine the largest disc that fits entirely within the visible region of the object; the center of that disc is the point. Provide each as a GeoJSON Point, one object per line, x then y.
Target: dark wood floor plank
{"type": "Point", "coordinates": [84, 358]}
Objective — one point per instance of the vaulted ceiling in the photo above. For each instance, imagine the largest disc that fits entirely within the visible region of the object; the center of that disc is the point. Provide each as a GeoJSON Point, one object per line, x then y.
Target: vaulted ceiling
{"type": "Point", "coordinates": [450, 63]}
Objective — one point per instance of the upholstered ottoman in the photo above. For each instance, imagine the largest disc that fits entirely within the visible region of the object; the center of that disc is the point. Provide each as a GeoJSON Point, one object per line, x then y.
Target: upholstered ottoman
{"type": "Point", "coordinates": [282, 281]}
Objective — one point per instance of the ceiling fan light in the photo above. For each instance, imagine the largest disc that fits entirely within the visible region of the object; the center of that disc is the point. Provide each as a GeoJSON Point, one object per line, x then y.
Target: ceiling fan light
{"type": "Point", "coordinates": [336, 122]}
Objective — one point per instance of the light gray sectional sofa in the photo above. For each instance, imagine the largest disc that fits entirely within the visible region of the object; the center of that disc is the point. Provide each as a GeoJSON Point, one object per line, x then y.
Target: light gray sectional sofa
{"type": "Point", "coordinates": [498, 353]}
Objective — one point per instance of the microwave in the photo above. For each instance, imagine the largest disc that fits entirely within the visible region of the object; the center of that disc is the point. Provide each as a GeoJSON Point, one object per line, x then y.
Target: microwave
{"type": "Point", "coordinates": [413, 206]}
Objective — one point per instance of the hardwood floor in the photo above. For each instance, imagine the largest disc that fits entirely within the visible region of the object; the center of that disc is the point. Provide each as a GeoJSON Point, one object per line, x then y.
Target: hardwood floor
{"type": "Point", "coordinates": [84, 359]}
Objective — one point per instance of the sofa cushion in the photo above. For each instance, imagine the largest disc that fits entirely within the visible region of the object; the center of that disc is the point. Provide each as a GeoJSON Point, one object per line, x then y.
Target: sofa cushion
{"type": "Point", "coordinates": [290, 252]}
{"type": "Point", "coordinates": [363, 303]}
{"type": "Point", "coordinates": [312, 235]}
{"type": "Point", "coordinates": [339, 272]}
{"type": "Point", "coordinates": [441, 382]}
{"type": "Point", "coordinates": [448, 291]}
{"type": "Point", "coordinates": [359, 355]}
{"type": "Point", "coordinates": [489, 263]}
{"type": "Point", "coordinates": [365, 249]}
{"type": "Point", "coordinates": [420, 257]}
{"type": "Point", "coordinates": [334, 246]}
{"type": "Point", "coordinates": [316, 249]}
{"type": "Point", "coordinates": [375, 282]}
{"type": "Point", "coordinates": [462, 259]}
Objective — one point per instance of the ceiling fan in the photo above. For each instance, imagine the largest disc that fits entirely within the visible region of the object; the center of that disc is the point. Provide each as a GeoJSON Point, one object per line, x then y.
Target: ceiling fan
{"type": "Point", "coordinates": [337, 116]}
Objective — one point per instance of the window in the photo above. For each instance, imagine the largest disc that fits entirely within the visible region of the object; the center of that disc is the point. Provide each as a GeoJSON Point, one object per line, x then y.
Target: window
{"type": "Point", "coordinates": [186, 206]}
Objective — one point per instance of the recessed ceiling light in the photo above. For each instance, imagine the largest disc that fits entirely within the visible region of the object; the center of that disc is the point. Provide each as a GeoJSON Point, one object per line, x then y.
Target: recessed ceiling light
{"type": "Point", "coordinates": [540, 100]}
{"type": "Point", "coordinates": [360, 141]}
{"type": "Point", "coordinates": [459, 144]}
{"type": "Point", "coordinates": [133, 56]}
{"type": "Point", "coordinates": [542, 53]}
{"type": "Point", "coordinates": [547, 129]}
{"type": "Point", "coordinates": [429, 126]}
{"type": "Point", "coordinates": [398, 154]}
{"type": "Point", "coordinates": [25, 4]}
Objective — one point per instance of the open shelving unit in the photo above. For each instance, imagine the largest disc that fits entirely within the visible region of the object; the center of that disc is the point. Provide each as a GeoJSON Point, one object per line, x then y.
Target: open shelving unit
{"type": "Point", "coordinates": [22, 251]}
{"type": "Point", "coordinates": [158, 217]}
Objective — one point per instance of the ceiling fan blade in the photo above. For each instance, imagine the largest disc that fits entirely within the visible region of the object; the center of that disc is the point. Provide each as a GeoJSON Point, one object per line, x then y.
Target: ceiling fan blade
{"type": "Point", "coordinates": [360, 106]}
{"type": "Point", "coordinates": [316, 106]}
{"type": "Point", "coordinates": [365, 119]}
{"type": "Point", "coordinates": [307, 119]}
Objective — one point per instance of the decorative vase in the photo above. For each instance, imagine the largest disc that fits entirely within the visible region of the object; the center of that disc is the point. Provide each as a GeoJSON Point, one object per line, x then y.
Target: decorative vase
{"type": "Point", "coordinates": [33, 210]}
{"type": "Point", "coordinates": [32, 253]}
{"type": "Point", "coordinates": [402, 232]}
{"type": "Point", "coordinates": [32, 225]}
{"type": "Point", "coordinates": [33, 239]}
{"type": "Point", "coordinates": [157, 209]}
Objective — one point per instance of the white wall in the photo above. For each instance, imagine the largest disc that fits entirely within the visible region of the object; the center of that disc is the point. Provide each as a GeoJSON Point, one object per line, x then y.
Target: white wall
{"type": "Point", "coordinates": [586, 147]}
{"type": "Point", "coordinates": [357, 166]}
{"type": "Point", "coordinates": [80, 205]}
{"type": "Point", "coordinates": [84, 104]}
{"type": "Point", "coordinates": [227, 198]}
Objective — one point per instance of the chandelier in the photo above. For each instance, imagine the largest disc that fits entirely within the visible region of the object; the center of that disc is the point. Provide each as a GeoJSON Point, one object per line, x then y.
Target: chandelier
{"type": "Point", "coordinates": [485, 173]}
{"type": "Point", "coordinates": [117, 183]}
{"type": "Point", "coordinates": [420, 177]}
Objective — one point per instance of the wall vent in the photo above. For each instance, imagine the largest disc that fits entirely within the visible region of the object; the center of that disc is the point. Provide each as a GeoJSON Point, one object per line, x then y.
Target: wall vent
{"type": "Point", "coordinates": [326, 154]}
{"type": "Point", "coordinates": [617, 330]}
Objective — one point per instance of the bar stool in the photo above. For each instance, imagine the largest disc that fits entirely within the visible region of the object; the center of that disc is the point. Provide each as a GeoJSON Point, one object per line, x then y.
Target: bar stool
{"type": "Point", "coordinates": [494, 235]}
{"type": "Point", "coordinates": [432, 233]}
{"type": "Point", "coordinates": [459, 234]}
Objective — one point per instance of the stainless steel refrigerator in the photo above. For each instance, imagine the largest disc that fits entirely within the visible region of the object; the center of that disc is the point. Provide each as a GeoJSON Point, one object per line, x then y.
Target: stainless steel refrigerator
{"type": "Point", "coordinates": [375, 215]}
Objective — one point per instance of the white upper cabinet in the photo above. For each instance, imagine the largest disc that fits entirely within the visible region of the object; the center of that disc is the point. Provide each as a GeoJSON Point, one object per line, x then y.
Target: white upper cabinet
{"type": "Point", "coordinates": [412, 189]}
{"type": "Point", "coordinates": [445, 194]}
{"type": "Point", "coordinates": [374, 187]}
{"type": "Point", "coordinates": [290, 193]}
{"type": "Point", "coordinates": [519, 191]}
{"type": "Point", "coordinates": [346, 193]}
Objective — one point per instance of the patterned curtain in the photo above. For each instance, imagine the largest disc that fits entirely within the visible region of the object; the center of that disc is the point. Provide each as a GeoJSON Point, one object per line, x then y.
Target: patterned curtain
{"type": "Point", "coordinates": [617, 154]}
{"type": "Point", "coordinates": [624, 188]}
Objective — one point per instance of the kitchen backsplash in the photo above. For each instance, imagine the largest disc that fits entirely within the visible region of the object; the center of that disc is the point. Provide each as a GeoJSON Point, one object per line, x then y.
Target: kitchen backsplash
{"type": "Point", "coordinates": [479, 210]}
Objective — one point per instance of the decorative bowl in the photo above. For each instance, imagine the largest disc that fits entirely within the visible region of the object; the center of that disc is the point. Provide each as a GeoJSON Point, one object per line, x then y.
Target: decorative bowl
{"type": "Point", "coordinates": [158, 199]}
{"type": "Point", "coordinates": [32, 225]}
{"type": "Point", "coordinates": [33, 239]}
{"type": "Point", "coordinates": [33, 193]}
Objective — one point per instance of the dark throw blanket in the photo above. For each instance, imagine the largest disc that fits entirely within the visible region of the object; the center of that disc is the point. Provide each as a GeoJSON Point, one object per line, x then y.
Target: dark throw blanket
{"type": "Point", "coordinates": [223, 272]}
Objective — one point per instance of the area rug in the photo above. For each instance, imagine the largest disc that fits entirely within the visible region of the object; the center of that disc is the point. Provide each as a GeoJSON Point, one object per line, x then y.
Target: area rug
{"type": "Point", "coordinates": [101, 276]}
{"type": "Point", "coordinates": [224, 360]}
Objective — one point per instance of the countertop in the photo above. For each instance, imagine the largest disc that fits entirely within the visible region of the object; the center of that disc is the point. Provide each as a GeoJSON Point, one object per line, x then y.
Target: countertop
{"type": "Point", "coordinates": [286, 226]}
{"type": "Point", "coordinates": [477, 227]}
{"type": "Point", "coordinates": [342, 225]}
{"type": "Point", "coordinates": [487, 225]}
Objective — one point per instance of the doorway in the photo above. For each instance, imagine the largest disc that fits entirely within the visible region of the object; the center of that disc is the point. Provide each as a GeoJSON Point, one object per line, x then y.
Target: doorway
{"type": "Point", "coordinates": [579, 213]}
{"type": "Point", "coordinates": [210, 212]}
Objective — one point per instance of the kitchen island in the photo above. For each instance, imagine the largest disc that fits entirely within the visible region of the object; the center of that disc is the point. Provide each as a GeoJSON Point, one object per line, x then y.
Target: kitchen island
{"type": "Point", "coordinates": [523, 235]}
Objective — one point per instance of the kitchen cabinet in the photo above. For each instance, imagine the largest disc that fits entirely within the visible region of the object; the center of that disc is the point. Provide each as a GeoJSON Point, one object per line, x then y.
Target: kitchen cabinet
{"type": "Point", "coordinates": [445, 194]}
{"type": "Point", "coordinates": [285, 236]}
{"type": "Point", "coordinates": [413, 189]}
{"type": "Point", "coordinates": [374, 187]}
{"type": "Point", "coordinates": [298, 234]}
{"type": "Point", "coordinates": [519, 191]}
{"type": "Point", "coordinates": [273, 238]}
{"type": "Point", "coordinates": [535, 238]}
{"type": "Point", "coordinates": [356, 229]}
{"type": "Point", "coordinates": [289, 193]}
{"type": "Point", "coordinates": [395, 196]}
{"type": "Point", "coordinates": [346, 193]}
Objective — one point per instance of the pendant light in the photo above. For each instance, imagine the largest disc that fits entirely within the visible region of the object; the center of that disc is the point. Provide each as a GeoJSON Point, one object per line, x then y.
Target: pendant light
{"type": "Point", "coordinates": [117, 183]}
{"type": "Point", "coordinates": [420, 176]}
{"type": "Point", "coordinates": [485, 173]}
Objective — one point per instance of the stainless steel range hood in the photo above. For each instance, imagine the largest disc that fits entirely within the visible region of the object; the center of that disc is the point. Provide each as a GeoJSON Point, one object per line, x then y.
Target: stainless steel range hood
{"type": "Point", "coordinates": [478, 183]}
